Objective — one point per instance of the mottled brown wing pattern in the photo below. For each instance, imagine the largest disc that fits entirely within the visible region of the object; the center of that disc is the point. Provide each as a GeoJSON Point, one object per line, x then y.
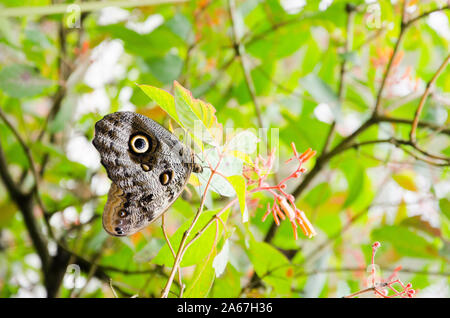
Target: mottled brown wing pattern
{"type": "Point", "coordinates": [148, 167]}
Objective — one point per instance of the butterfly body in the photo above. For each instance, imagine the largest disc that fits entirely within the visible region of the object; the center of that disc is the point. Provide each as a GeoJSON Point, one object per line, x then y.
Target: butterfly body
{"type": "Point", "coordinates": [148, 166]}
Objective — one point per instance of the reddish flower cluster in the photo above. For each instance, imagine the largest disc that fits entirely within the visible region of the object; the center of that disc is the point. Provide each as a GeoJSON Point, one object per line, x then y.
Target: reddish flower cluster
{"type": "Point", "coordinates": [396, 75]}
{"type": "Point", "coordinates": [382, 287]}
{"type": "Point", "coordinates": [284, 204]}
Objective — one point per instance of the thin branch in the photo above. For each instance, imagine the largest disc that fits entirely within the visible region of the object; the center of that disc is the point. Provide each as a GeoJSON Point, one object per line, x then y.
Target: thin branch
{"type": "Point", "coordinates": [284, 88]}
{"type": "Point", "coordinates": [80, 7]}
{"type": "Point", "coordinates": [363, 269]}
{"type": "Point", "coordinates": [325, 157]}
{"type": "Point", "coordinates": [404, 121]}
{"type": "Point", "coordinates": [240, 52]}
{"type": "Point", "coordinates": [24, 146]}
{"type": "Point", "coordinates": [221, 70]}
{"type": "Point", "coordinates": [388, 70]}
{"type": "Point", "coordinates": [215, 217]}
{"type": "Point", "coordinates": [403, 28]}
{"type": "Point", "coordinates": [364, 291]}
{"type": "Point", "coordinates": [412, 134]}
{"type": "Point", "coordinates": [184, 78]}
{"type": "Point", "coordinates": [425, 14]}
{"type": "Point", "coordinates": [399, 143]}
{"type": "Point", "coordinates": [181, 248]}
{"type": "Point", "coordinates": [371, 38]}
{"type": "Point", "coordinates": [24, 200]}
{"type": "Point", "coordinates": [14, 190]}
{"type": "Point", "coordinates": [166, 237]}
{"type": "Point", "coordinates": [433, 163]}
{"type": "Point", "coordinates": [344, 228]}
{"type": "Point", "coordinates": [351, 11]}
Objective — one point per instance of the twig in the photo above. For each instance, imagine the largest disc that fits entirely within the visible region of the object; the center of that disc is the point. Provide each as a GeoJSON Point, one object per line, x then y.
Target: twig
{"type": "Point", "coordinates": [14, 190]}
{"type": "Point", "coordinates": [351, 10]}
{"type": "Point", "coordinates": [191, 47]}
{"type": "Point", "coordinates": [363, 269]}
{"type": "Point", "coordinates": [377, 33]}
{"type": "Point", "coordinates": [180, 280]}
{"type": "Point", "coordinates": [181, 248]}
{"type": "Point", "coordinates": [24, 200]}
{"type": "Point", "coordinates": [412, 134]}
{"type": "Point", "coordinates": [425, 14]}
{"type": "Point", "coordinates": [366, 290]}
{"type": "Point", "coordinates": [403, 28]}
{"type": "Point", "coordinates": [215, 217]}
{"type": "Point", "coordinates": [388, 70]}
{"type": "Point", "coordinates": [24, 146]}
{"type": "Point", "coordinates": [112, 288]}
{"type": "Point", "coordinates": [240, 52]}
{"type": "Point", "coordinates": [82, 7]}
{"type": "Point", "coordinates": [284, 88]}
{"type": "Point", "coordinates": [421, 124]}
{"type": "Point", "coordinates": [347, 226]}
{"type": "Point", "coordinates": [221, 70]}
{"type": "Point", "coordinates": [398, 143]}
{"type": "Point", "coordinates": [325, 157]}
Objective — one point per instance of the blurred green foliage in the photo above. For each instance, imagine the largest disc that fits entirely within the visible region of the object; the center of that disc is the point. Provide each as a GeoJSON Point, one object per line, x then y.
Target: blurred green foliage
{"type": "Point", "coordinates": [56, 81]}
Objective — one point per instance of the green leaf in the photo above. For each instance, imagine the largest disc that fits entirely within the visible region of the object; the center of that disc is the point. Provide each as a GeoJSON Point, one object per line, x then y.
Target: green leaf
{"type": "Point", "coordinates": [37, 38]}
{"type": "Point", "coordinates": [180, 26]}
{"type": "Point", "coordinates": [306, 131]}
{"type": "Point", "coordinates": [312, 56]}
{"type": "Point", "coordinates": [199, 249]}
{"type": "Point", "coordinates": [221, 260]}
{"type": "Point", "coordinates": [238, 183]}
{"type": "Point", "coordinates": [405, 179]}
{"type": "Point", "coordinates": [270, 265]}
{"type": "Point", "coordinates": [406, 242]}
{"type": "Point", "coordinates": [355, 178]}
{"type": "Point", "coordinates": [416, 222]}
{"type": "Point", "coordinates": [63, 116]}
{"type": "Point", "coordinates": [444, 205]}
{"type": "Point", "coordinates": [164, 99]}
{"type": "Point", "coordinates": [444, 251]}
{"type": "Point", "coordinates": [244, 141]}
{"type": "Point", "coordinates": [19, 81]}
{"type": "Point", "coordinates": [156, 43]}
{"type": "Point", "coordinates": [167, 68]}
{"type": "Point", "coordinates": [228, 166]}
{"type": "Point", "coordinates": [202, 279]}
{"type": "Point", "coordinates": [196, 116]}
{"type": "Point", "coordinates": [320, 90]}
{"type": "Point", "coordinates": [318, 195]}
{"type": "Point", "coordinates": [8, 209]}
{"type": "Point", "coordinates": [402, 213]}
{"type": "Point", "coordinates": [279, 44]}
{"type": "Point", "coordinates": [149, 251]}
{"type": "Point", "coordinates": [228, 285]}
{"type": "Point", "coordinates": [351, 56]}
{"type": "Point", "coordinates": [420, 280]}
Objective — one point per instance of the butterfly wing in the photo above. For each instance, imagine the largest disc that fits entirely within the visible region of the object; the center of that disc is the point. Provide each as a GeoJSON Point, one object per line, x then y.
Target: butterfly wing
{"type": "Point", "coordinates": [148, 167]}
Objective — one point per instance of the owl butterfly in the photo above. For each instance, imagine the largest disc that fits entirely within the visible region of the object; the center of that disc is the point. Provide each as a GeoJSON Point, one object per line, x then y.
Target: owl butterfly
{"type": "Point", "coordinates": [148, 167]}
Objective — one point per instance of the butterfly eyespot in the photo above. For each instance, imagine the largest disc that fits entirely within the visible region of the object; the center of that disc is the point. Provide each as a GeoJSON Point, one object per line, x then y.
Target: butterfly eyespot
{"type": "Point", "coordinates": [139, 144]}
{"type": "Point", "coordinates": [123, 213]}
{"type": "Point", "coordinates": [137, 152]}
{"type": "Point", "coordinates": [165, 177]}
{"type": "Point", "coordinates": [118, 230]}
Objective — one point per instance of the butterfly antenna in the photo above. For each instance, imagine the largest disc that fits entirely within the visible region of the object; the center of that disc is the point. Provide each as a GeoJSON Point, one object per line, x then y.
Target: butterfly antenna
{"type": "Point", "coordinates": [198, 167]}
